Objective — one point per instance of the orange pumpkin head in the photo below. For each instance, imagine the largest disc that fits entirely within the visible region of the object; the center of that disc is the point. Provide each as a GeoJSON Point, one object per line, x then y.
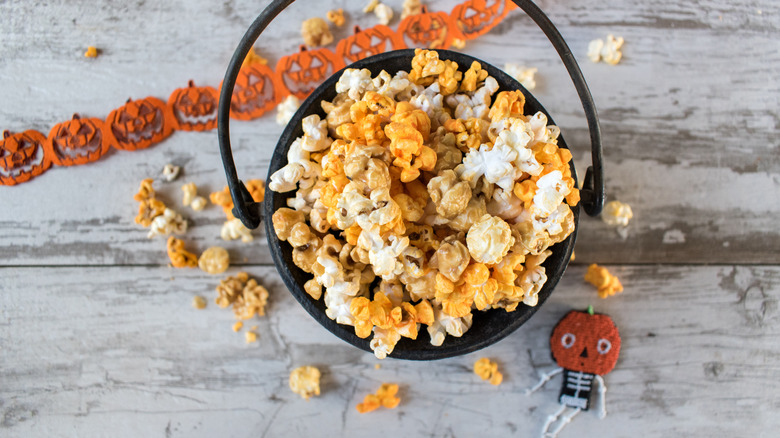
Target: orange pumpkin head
{"type": "Point", "coordinates": [433, 30]}
{"type": "Point", "coordinates": [78, 141]}
{"type": "Point", "coordinates": [22, 157]}
{"type": "Point", "coordinates": [139, 123]}
{"type": "Point", "coordinates": [194, 108]}
{"type": "Point", "coordinates": [368, 42]}
{"type": "Point", "coordinates": [476, 17]}
{"type": "Point", "coordinates": [585, 342]}
{"type": "Point", "coordinates": [256, 91]}
{"type": "Point", "coordinates": [304, 71]}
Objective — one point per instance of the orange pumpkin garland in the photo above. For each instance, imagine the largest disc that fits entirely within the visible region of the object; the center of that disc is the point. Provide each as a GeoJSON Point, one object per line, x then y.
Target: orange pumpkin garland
{"type": "Point", "coordinates": [22, 156]}
{"type": "Point", "coordinates": [257, 91]}
{"type": "Point", "coordinates": [302, 72]}
{"type": "Point", "coordinates": [139, 124]}
{"type": "Point", "coordinates": [78, 141]}
{"type": "Point", "coordinates": [433, 30]}
{"type": "Point", "coordinates": [194, 108]}
{"type": "Point", "coordinates": [368, 42]}
{"type": "Point", "coordinates": [474, 18]}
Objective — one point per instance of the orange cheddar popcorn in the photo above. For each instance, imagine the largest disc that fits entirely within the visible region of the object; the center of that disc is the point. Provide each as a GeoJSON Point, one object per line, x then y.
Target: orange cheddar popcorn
{"type": "Point", "coordinates": [488, 370]}
{"type": "Point", "coordinates": [385, 396]}
{"type": "Point", "coordinates": [606, 283]}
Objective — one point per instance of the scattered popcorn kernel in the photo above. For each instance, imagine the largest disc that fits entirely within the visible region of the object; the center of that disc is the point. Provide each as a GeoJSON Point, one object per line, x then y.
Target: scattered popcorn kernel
{"type": "Point", "coordinates": [256, 188]}
{"type": "Point", "coordinates": [617, 213]}
{"type": "Point", "coordinates": [180, 258]}
{"type": "Point", "coordinates": [92, 52]}
{"type": "Point", "coordinates": [170, 172]}
{"type": "Point", "coordinates": [606, 283]}
{"type": "Point", "coordinates": [411, 7]}
{"type": "Point", "coordinates": [250, 337]}
{"type": "Point", "coordinates": [305, 381]}
{"type": "Point", "coordinates": [235, 229]}
{"type": "Point", "coordinates": [607, 50]}
{"type": "Point", "coordinates": [594, 49]}
{"type": "Point", "coordinates": [230, 288]}
{"type": "Point", "coordinates": [189, 192]}
{"type": "Point", "coordinates": [372, 4]}
{"type": "Point", "coordinates": [377, 366]}
{"type": "Point", "coordinates": [214, 260]}
{"type": "Point", "coordinates": [488, 370]}
{"type": "Point", "coordinates": [224, 200]}
{"type": "Point", "coordinates": [198, 302]}
{"type": "Point", "coordinates": [522, 74]}
{"type": "Point", "coordinates": [238, 326]}
{"type": "Point", "coordinates": [252, 301]}
{"type": "Point", "coordinates": [385, 396]}
{"type": "Point", "coordinates": [253, 58]}
{"type": "Point", "coordinates": [199, 203]}
{"type": "Point", "coordinates": [170, 222]}
{"type": "Point", "coordinates": [458, 43]}
{"type": "Point", "coordinates": [286, 109]}
{"type": "Point", "coordinates": [315, 32]}
{"type": "Point", "coordinates": [384, 13]}
{"type": "Point", "coordinates": [336, 16]}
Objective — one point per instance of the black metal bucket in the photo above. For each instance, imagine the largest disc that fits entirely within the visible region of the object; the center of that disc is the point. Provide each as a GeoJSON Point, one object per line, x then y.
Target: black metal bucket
{"type": "Point", "coordinates": [488, 327]}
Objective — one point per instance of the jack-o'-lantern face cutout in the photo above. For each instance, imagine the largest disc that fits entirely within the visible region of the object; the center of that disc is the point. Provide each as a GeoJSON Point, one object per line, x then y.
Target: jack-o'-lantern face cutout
{"type": "Point", "coordinates": [368, 42]}
{"type": "Point", "coordinates": [22, 157]}
{"type": "Point", "coordinates": [476, 17]}
{"type": "Point", "coordinates": [433, 30]}
{"type": "Point", "coordinates": [304, 71]}
{"type": "Point", "coordinates": [77, 141]}
{"type": "Point", "coordinates": [140, 123]}
{"type": "Point", "coordinates": [256, 91]}
{"type": "Point", "coordinates": [194, 108]}
{"type": "Point", "coordinates": [585, 342]}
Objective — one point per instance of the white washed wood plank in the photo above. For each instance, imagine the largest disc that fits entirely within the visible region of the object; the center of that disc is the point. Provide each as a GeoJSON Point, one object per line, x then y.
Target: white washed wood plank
{"type": "Point", "coordinates": [90, 351]}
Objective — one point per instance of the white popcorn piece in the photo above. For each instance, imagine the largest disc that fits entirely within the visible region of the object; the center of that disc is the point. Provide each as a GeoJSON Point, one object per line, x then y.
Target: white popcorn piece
{"type": "Point", "coordinates": [384, 341]}
{"type": "Point", "coordinates": [190, 197]}
{"type": "Point", "coordinates": [337, 307]}
{"type": "Point", "coordinates": [383, 253]}
{"type": "Point", "coordinates": [505, 205]}
{"type": "Point", "coordinates": [533, 278]}
{"type": "Point", "coordinates": [495, 164]}
{"type": "Point", "coordinates": [432, 102]}
{"type": "Point", "coordinates": [489, 239]}
{"type": "Point", "coordinates": [476, 105]}
{"type": "Point", "coordinates": [550, 191]}
{"type": "Point", "coordinates": [287, 109]}
{"type": "Point", "coordinates": [315, 134]}
{"type": "Point", "coordinates": [170, 172]}
{"type": "Point", "coordinates": [522, 74]}
{"type": "Point", "coordinates": [444, 324]}
{"type": "Point", "coordinates": [608, 50]}
{"type": "Point", "coordinates": [384, 13]}
{"type": "Point", "coordinates": [355, 82]}
{"type": "Point", "coordinates": [234, 229]}
{"type": "Point", "coordinates": [393, 86]}
{"type": "Point", "coordinates": [170, 222]}
{"type": "Point", "coordinates": [298, 171]}
{"type": "Point", "coordinates": [542, 132]}
{"type": "Point", "coordinates": [617, 213]}
{"type": "Point", "coordinates": [594, 50]}
{"type": "Point", "coordinates": [199, 203]}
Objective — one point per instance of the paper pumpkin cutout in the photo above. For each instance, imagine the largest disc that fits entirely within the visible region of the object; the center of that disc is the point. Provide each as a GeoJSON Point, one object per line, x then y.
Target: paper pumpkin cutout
{"type": "Point", "coordinates": [78, 141]}
{"type": "Point", "coordinates": [302, 72]}
{"type": "Point", "coordinates": [433, 30]}
{"type": "Point", "coordinates": [477, 17]}
{"type": "Point", "coordinates": [194, 108]}
{"type": "Point", "coordinates": [139, 124]}
{"type": "Point", "coordinates": [368, 42]}
{"type": "Point", "coordinates": [585, 342]}
{"type": "Point", "coordinates": [22, 156]}
{"type": "Point", "coordinates": [257, 90]}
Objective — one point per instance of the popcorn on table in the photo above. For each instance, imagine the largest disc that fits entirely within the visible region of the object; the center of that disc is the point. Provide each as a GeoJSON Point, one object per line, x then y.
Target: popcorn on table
{"type": "Point", "coordinates": [608, 50]}
{"type": "Point", "coordinates": [433, 184]}
{"type": "Point", "coordinates": [305, 381]}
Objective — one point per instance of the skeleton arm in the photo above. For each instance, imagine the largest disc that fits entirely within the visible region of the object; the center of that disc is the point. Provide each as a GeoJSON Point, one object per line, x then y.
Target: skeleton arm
{"type": "Point", "coordinates": [544, 379]}
{"type": "Point", "coordinates": [602, 396]}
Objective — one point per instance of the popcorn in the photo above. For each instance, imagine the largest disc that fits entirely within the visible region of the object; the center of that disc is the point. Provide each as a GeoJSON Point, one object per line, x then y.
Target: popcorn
{"type": "Point", "coordinates": [305, 381]}
{"type": "Point", "coordinates": [315, 134]}
{"type": "Point", "coordinates": [190, 197]}
{"type": "Point", "coordinates": [315, 32]}
{"type": "Point", "coordinates": [606, 283]}
{"type": "Point", "coordinates": [445, 324]}
{"type": "Point", "coordinates": [385, 396]}
{"type": "Point", "coordinates": [384, 13]}
{"type": "Point", "coordinates": [489, 239]}
{"type": "Point", "coordinates": [170, 172]}
{"type": "Point", "coordinates": [250, 337]}
{"type": "Point", "coordinates": [198, 302]}
{"type": "Point", "coordinates": [286, 110]}
{"type": "Point", "coordinates": [214, 260]}
{"type": "Point", "coordinates": [253, 58]}
{"type": "Point", "coordinates": [149, 207]}
{"type": "Point", "coordinates": [459, 43]}
{"type": "Point", "coordinates": [550, 191]}
{"type": "Point", "coordinates": [354, 82]}
{"type": "Point", "coordinates": [283, 221]}
{"type": "Point", "coordinates": [411, 7]}
{"type": "Point", "coordinates": [533, 277]}
{"type": "Point", "coordinates": [336, 16]}
{"type": "Point", "coordinates": [246, 296]}
{"type": "Point", "coordinates": [522, 74]}
{"type": "Point", "coordinates": [224, 200]}
{"type": "Point", "coordinates": [91, 52]}
{"type": "Point", "coordinates": [170, 222]}
{"type": "Point", "coordinates": [372, 4]}
{"type": "Point", "coordinates": [451, 259]}
{"type": "Point", "coordinates": [180, 258]}
{"type": "Point", "coordinates": [488, 370]}
{"type": "Point", "coordinates": [608, 51]}
{"type": "Point", "coordinates": [455, 301]}
{"type": "Point", "coordinates": [495, 164]}
{"type": "Point", "coordinates": [235, 229]}
{"type": "Point", "coordinates": [617, 213]}
{"type": "Point", "coordinates": [473, 75]}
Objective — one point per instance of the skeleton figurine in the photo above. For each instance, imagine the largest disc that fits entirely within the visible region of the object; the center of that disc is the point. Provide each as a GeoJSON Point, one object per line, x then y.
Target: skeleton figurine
{"type": "Point", "coordinates": [585, 346]}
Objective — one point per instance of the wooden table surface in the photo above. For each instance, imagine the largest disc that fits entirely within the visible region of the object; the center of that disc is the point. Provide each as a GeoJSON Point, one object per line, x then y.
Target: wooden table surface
{"type": "Point", "coordinates": [97, 333]}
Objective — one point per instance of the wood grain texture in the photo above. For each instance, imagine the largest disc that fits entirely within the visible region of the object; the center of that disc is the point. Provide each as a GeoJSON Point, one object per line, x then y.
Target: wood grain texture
{"type": "Point", "coordinates": [122, 349]}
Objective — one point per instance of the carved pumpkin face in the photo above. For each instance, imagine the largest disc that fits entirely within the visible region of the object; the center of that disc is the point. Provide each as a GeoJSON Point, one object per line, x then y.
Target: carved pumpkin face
{"type": "Point", "coordinates": [585, 342]}
{"type": "Point", "coordinates": [194, 108]}
{"type": "Point", "coordinates": [304, 71]}
{"type": "Point", "coordinates": [78, 141]}
{"type": "Point", "coordinates": [476, 17]}
{"type": "Point", "coordinates": [256, 91]}
{"type": "Point", "coordinates": [433, 30]}
{"type": "Point", "coordinates": [368, 42]}
{"type": "Point", "coordinates": [22, 157]}
{"type": "Point", "coordinates": [140, 123]}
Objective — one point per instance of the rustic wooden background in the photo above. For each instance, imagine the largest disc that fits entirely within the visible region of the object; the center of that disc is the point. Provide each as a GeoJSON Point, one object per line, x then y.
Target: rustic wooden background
{"type": "Point", "coordinates": [97, 334]}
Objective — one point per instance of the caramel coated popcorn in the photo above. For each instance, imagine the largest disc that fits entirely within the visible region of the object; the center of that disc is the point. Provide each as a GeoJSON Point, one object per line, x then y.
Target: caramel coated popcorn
{"type": "Point", "coordinates": [421, 198]}
{"type": "Point", "coordinates": [214, 260]}
{"type": "Point", "coordinates": [488, 370]}
{"type": "Point", "coordinates": [305, 381]}
{"type": "Point", "coordinates": [315, 32]}
{"type": "Point", "coordinates": [336, 16]}
{"type": "Point", "coordinates": [606, 283]}
{"type": "Point", "coordinates": [246, 296]}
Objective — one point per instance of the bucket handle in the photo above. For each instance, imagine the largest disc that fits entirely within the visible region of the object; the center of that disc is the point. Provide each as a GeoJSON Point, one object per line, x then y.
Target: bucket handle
{"type": "Point", "coordinates": [592, 194]}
